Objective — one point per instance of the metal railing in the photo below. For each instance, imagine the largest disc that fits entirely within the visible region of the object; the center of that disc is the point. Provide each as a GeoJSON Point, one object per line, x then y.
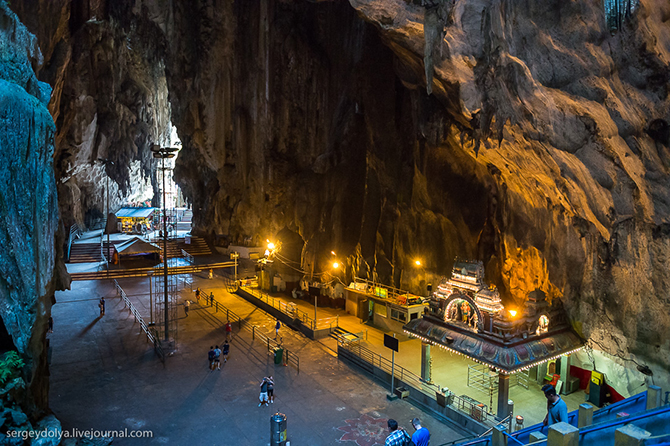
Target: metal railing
{"type": "Point", "coordinates": [289, 358]}
{"type": "Point", "coordinates": [382, 363]}
{"type": "Point", "coordinates": [75, 233]}
{"type": "Point", "coordinates": [481, 379]}
{"type": "Point", "coordinates": [189, 258]}
{"type": "Point", "coordinates": [319, 324]}
{"type": "Point", "coordinates": [470, 406]}
{"type": "Point", "coordinates": [103, 257]}
{"type": "Point", "coordinates": [463, 403]}
{"type": "Point", "coordinates": [392, 292]}
{"type": "Point", "coordinates": [151, 333]}
{"type": "Point", "coordinates": [141, 272]}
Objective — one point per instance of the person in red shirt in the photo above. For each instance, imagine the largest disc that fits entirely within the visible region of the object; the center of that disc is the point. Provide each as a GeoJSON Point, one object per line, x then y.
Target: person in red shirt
{"type": "Point", "coordinates": [229, 331]}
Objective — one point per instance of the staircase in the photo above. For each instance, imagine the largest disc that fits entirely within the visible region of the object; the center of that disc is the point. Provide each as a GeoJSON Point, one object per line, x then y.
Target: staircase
{"type": "Point", "coordinates": [185, 223]}
{"type": "Point", "coordinates": [85, 253]}
{"type": "Point", "coordinates": [198, 246]}
{"type": "Point", "coordinates": [337, 332]}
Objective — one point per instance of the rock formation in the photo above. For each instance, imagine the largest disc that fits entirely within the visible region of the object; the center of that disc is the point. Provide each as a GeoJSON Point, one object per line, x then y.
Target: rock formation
{"type": "Point", "coordinates": [529, 135]}
{"type": "Point", "coordinates": [29, 210]}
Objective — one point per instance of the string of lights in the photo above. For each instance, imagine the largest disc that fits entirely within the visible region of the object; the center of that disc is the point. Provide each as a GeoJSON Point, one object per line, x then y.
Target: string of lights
{"type": "Point", "coordinates": [497, 369]}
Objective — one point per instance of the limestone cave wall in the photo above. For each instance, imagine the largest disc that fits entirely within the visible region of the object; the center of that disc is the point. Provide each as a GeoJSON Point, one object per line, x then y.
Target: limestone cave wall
{"type": "Point", "coordinates": [109, 101]}
{"type": "Point", "coordinates": [525, 134]}
{"type": "Point", "coordinates": [29, 210]}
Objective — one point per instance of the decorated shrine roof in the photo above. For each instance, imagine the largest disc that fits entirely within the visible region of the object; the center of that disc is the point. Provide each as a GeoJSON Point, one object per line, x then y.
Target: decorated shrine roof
{"type": "Point", "coordinates": [506, 357]}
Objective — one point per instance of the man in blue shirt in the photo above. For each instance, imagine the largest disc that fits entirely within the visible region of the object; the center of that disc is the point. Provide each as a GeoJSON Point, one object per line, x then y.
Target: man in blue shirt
{"type": "Point", "coordinates": [557, 410]}
{"type": "Point", "coordinates": [421, 437]}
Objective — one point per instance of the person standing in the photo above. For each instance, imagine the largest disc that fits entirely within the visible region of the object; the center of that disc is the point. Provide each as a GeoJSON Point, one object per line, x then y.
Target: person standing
{"type": "Point", "coordinates": [217, 358]}
{"type": "Point", "coordinates": [211, 274]}
{"type": "Point", "coordinates": [421, 436]}
{"type": "Point", "coordinates": [557, 410]}
{"type": "Point", "coordinates": [263, 397]}
{"type": "Point", "coordinates": [271, 389]}
{"type": "Point", "coordinates": [211, 298]}
{"type": "Point", "coordinates": [187, 304]}
{"type": "Point", "coordinates": [197, 294]}
{"type": "Point", "coordinates": [210, 356]}
{"type": "Point", "coordinates": [102, 306]}
{"type": "Point", "coordinates": [277, 327]}
{"type": "Point", "coordinates": [229, 331]}
{"type": "Point", "coordinates": [226, 349]}
{"type": "Point", "coordinates": [398, 436]}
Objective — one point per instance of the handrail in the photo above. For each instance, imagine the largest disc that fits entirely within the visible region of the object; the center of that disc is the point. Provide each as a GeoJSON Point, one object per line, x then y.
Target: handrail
{"type": "Point", "coordinates": [139, 272]}
{"type": "Point", "coordinates": [385, 364]}
{"type": "Point", "coordinates": [625, 420]}
{"type": "Point", "coordinates": [297, 313]}
{"type": "Point", "coordinates": [393, 290]}
{"type": "Point", "coordinates": [150, 336]}
{"type": "Point", "coordinates": [507, 419]}
{"type": "Point", "coordinates": [572, 416]}
{"type": "Point", "coordinates": [512, 438]}
{"type": "Point", "coordinates": [189, 257]}
{"type": "Point", "coordinates": [290, 357]}
{"type": "Point", "coordinates": [471, 408]}
{"type": "Point", "coordinates": [75, 232]}
{"type": "Point", "coordinates": [103, 257]}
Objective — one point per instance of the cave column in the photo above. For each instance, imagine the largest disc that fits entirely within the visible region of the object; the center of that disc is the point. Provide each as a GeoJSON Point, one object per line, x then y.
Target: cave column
{"type": "Point", "coordinates": [503, 395]}
{"type": "Point", "coordinates": [426, 362]}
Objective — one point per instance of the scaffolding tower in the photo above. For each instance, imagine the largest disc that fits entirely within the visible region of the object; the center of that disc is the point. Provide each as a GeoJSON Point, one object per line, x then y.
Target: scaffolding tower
{"type": "Point", "coordinates": [159, 309]}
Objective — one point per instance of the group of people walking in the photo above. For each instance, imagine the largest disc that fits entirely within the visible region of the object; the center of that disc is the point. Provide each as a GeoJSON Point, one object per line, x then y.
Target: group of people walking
{"type": "Point", "coordinates": [214, 356]}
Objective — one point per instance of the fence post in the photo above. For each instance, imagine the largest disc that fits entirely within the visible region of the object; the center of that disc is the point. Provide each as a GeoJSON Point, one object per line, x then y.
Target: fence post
{"type": "Point", "coordinates": [253, 332]}
{"type": "Point", "coordinates": [227, 314]}
{"type": "Point", "coordinates": [562, 434]}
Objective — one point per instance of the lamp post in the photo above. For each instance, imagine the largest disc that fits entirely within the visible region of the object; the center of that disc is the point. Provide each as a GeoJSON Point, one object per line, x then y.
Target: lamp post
{"type": "Point", "coordinates": [151, 298]}
{"type": "Point", "coordinates": [235, 256]}
{"type": "Point", "coordinates": [107, 216]}
{"type": "Point", "coordinates": [163, 153]}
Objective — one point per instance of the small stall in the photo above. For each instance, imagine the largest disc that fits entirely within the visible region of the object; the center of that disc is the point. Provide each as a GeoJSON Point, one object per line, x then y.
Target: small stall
{"type": "Point", "coordinates": [136, 248]}
{"type": "Point", "coordinates": [135, 220]}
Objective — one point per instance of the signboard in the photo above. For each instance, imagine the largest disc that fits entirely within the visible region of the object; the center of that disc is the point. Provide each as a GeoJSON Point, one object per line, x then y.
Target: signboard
{"type": "Point", "coordinates": [390, 342]}
{"type": "Point", "coordinates": [381, 292]}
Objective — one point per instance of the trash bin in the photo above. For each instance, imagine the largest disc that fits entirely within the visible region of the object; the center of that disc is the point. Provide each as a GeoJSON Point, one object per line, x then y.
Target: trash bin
{"type": "Point", "coordinates": [279, 352]}
{"type": "Point", "coordinates": [278, 429]}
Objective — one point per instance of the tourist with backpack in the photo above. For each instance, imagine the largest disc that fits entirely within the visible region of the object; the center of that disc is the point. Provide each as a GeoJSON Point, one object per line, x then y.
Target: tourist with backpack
{"type": "Point", "coordinates": [210, 357]}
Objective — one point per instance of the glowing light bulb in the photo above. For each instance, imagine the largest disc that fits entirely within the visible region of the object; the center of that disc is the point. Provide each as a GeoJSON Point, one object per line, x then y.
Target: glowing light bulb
{"type": "Point", "coordinates": [271, 245]}
{"type": "Point", "coordinates": [417, 262]}
{"type": "Point", "coordinates": [336, 265]}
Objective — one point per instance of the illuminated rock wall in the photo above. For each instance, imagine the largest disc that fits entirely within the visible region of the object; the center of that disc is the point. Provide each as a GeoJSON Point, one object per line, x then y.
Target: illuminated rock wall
{"type": "Point", "coordinates": [110, 101]}
{"type": "Point", "coordinates": [520, 133]}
